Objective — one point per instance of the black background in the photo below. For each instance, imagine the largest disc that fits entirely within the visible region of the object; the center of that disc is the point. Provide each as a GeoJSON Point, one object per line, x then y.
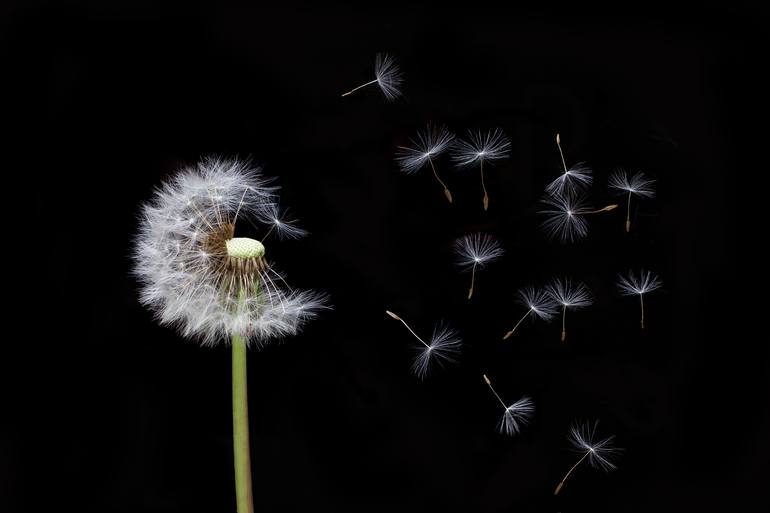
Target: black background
{"type": "Point", "coordinates": [106, 411]}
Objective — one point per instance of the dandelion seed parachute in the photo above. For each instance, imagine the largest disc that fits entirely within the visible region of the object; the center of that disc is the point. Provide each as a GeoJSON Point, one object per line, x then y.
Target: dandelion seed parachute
{"type": "Point", "coordinates": [638, 185]}
{"type": "Point", "coordinates": [280, 220]}
{"type": "Point", "coordinates": [476, 250]}
{"type": "Point", "coordinates": [516, 415]}
{"type": "Point", "coordinates": [538, 302]}
{"type": "Point", "coordinates": [444, 347]}
{"type": "Point", "coordinates": [573, 180]}
{"type": "Point", "coordinates": [633, 284]}
{"type": "Point", "coordinates": [600, 453]}
{"type": "Point", "coordinates": [194, 273]}
{"type": "Point", "coordinates": [429, 144]}
{"type": "Point", "coordinates": [568, 295]}
{"type": "Point", "coordinates": [564, 216]}
{"type": "Point", "coordinates": [388, 77]}
{"type": "Point", "coordinates": [481, 147]}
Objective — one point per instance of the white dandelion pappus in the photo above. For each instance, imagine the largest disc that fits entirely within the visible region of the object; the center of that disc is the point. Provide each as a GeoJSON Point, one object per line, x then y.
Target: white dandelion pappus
{"type": "Point", "coordinates": [516, 415]}
{"type": "Point", "coordinates": [564, 216]}
{"type": "Point", "coordinates": [387, 75]}
{"type": "Point", "coordinates": [638, 285]}
{"type": "Point", "coordinates": [538, 302]}
{"type": "Point", "coordinates": [444, 347]}
{"type": "Point", "coordinates": [481, 147]}
{"type": "Point", "coordinates": [568, 295]}
{"type": "Point", "coordinates": [573, 180]}
{"type": "Point", "coordinates": [429, 144]}
{"type": "Point", "coordinates": [600, 453]}
{"type": "Point", "coordinates": [279, 220]}
{"type": "Point", "coordinates": [194, 273]}
{"type": "Point", "coordinates": [637, 185]}
{"type": "Point", "coordinates": [476, 250]}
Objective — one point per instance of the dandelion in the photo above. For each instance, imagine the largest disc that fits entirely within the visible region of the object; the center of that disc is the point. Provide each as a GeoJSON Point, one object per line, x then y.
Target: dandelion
{"type": "Point", "coordinates": [641, 285]}
{"type": "Point", "coordinates": [538, 302]}
{"type": "Point", "coordinates": [637, 185]}
{"type": "Point", "coordinates": [428, 145]}
{"type": "Point", "coordinates": [444, 347]}
{"type": "Point", "coordinates": [568, 295]}
{"type": "Point", "coordinates": [573, 179]}
{"type": "Point", "coordinates": [476, 250]}
{"type": "Point", "coordinates": [387, 75]}
{"type": "Point", "coordinates": [599, 453]}
{"type": "Point", "coordinates": [197, 276]}
{"type": "Point", "coordinates": [514, 416]}
{"type": "Point", "coordinates": [481, 147]}
{"type": "Point", "coordinates": [564, 216]}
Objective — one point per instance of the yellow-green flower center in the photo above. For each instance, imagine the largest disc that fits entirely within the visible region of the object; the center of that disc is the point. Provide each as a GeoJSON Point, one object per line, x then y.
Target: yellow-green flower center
{"type": "Point", "coordinates": [245, 248]}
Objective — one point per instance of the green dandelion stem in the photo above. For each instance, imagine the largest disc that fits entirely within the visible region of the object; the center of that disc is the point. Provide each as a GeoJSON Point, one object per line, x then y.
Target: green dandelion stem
{"type": "Point", "coordinates": [241, 449]}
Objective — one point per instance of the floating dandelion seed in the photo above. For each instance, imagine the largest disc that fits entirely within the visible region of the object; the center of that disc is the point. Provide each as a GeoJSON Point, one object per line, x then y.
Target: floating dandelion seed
{"type": "Point", "coordinates": [476, 250]}
{"type": "Point", "coordinates": [573, 180]}
{"type": "Point", "coordinates": [564, 216]}
{"type": "Point", "coordinates": [641, 285]}
{"type": "Point", "coordinates": [444, 347]}
{"type": "Point", "coordinates": [428, 145]}
{"type": "Point", "coordinates": [538, 302]}
{"type": "Point", "coordinates": [279, 220]}
{"type": "Point", "coordinates": [568, 295]}
{"type": "Point", "coordinates": [387, 75]}
{"type": "Point", "coordinates": [481, 147]}
{"type": "Point", "coordinates": [194, 274]}
{"type": "Point", "coordinates": [600, 453]}
{"type": "Point", "coordinates": [514, 416]}
{"type": "Point", "coordinates": [638, 185]}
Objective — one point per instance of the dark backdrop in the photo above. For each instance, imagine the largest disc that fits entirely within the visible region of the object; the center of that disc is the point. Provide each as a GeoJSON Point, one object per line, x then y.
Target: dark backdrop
{"type": "Point", "coordinates": [109, 412]}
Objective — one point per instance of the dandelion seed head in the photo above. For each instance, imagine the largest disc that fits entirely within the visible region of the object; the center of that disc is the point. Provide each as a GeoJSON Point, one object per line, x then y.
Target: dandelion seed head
{"type": "Point", "coordinates": [477, 249]}
{"type": "Point", "coordinates": [638, 183]}
{"type": "Point", "coordinates": [642, 283]}
{"type": "Point", "coordinates": [444, 348]}
{"type": "Point", "coordinates": [429, 143]}
{"type": "Point", "coordinates": [601, 452]}
{"type": "Point", "coordinates": [488, 146]}
{"type": "Point", "coordinates": [199, 277]}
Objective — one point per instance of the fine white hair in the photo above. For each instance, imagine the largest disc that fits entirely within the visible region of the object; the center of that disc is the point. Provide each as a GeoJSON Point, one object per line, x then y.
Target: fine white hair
{"type": "Point", "coordinates": [477, 249]}
{"type": "Point", "coordinates": [642, 283]}
{"type": "Point", "coordinates": [538, 301]}
{"type": "Point", "coordinates": [516, 416]}
{"type": "Point", "coordinates": [569, 294]}
{"type": "Point", "coordinates": [428, 144]}
{"type": "Point", "coordinates": [564, 220]}
{"type": "Point", "coordinates": [601, 452]}
{"type": "Point", "coordinates": [571, 181]}
{"type": "Point", "coordinates": [389, 76]}
{"type": "Point", "coordinates": [280, 220]}
{"type": "Point", "coordinates": [444, 348]}
{"type": "Point", "coordinates": [481, 146]}
{"type": "Point", "coordinates": [181, 264]}
{"type": "Point", "coordinates": [638, 183]}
